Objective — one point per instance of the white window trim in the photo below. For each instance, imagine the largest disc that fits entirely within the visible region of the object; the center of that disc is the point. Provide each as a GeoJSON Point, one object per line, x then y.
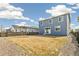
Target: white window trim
{"type": "Point", "coordinates": [58, 27]}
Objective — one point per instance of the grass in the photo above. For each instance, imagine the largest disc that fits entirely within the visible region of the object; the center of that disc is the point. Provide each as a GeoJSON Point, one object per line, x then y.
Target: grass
{"type": "Point", "coordinates": [39, 45]}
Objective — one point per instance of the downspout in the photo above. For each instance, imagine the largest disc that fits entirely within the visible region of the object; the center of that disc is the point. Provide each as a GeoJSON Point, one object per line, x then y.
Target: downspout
{"type": "Point", "coordinates": [68, 24]}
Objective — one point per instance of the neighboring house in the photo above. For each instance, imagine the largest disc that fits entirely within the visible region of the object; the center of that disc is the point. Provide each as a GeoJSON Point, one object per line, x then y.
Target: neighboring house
{"type": "Point", "coordinates": [27, 29]}
{"type": "Point", "coordinates": [16, 28]}
{"type": "Point", "coordinates": [58, 25]}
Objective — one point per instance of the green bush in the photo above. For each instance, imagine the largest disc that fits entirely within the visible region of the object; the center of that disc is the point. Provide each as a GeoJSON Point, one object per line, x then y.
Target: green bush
{"type": "Point", "coordinates": [77, 36]}
{"type": "Point", "coordinates": [72, 32]}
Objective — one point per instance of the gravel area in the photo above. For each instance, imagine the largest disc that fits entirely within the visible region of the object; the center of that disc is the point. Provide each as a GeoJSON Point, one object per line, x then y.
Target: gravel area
{"type": "Point", "coordinates": [71, 49]}
{"type": "Point", "coordinates": [74, 41]}
{"type": "Point", "coordinates": [8, 48]}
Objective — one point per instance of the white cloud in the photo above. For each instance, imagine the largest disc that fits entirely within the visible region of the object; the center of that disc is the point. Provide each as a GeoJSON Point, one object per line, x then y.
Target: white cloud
{"type": "Point", "coordinates": [76, 6]}
{"type": "Point", "coordinates": [41, 18]}
{"type": "Point", "coordinates": [26, 24]}
{"type": "Point", "coordinates": [11, 12]}
{"type": "Point", "coordinates": [7, 27]}
{"type": "Point", "coordinates": [32, 20]}
{"type": "Point", "coordinates": [59, 9]}
{"type": "Point", "coordinates": [71, 3]}
{"type": "Point", "coordinates": [22, 24]}
{"type": "Point", "coordinates": [77, 27]}
{"type": "Point", "coordinates": [72, 25]}
{"type": "Point", "coordinates": [7, 6]}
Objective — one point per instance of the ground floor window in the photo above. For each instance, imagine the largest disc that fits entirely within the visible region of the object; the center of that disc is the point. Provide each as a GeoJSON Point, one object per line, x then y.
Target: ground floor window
{"type": "Point", "coordinates": [47, 30]}
{"type": "Point", "coordinates": [58, 28]}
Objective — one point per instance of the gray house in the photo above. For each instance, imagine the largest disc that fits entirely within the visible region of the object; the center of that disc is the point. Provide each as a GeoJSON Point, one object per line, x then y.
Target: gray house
{"type": "Point", "coordinates": [58, 25]}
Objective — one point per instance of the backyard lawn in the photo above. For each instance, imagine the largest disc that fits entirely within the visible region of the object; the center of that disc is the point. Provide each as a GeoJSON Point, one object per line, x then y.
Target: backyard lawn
{"type": "Point", "coordinates": [39, 45]}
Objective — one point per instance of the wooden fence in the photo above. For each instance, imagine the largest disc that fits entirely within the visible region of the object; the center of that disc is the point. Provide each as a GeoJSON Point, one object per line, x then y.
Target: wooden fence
{"type": "Point", "coordinates": [5, 34]}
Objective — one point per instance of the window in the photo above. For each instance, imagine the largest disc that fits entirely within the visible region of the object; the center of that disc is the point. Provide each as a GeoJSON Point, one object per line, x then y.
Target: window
{"type": "Point", "coordinates": [49, 20]}
{"type": "Point", "coordinates": [57, 28]}
{"type": "Point", "coordinates": [47, 30]}
{"type": "Point", "coordinates": [41, 23]}
{"type": "Point", "coordinates": [60, 19]}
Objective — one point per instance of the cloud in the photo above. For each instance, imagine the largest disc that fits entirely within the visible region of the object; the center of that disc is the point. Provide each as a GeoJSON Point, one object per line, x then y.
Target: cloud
{"type": "Point", "coordinates": [59, 9]}
{"type": "Point", "coordinates": [7, 6]}
{"type": "Point", "coordinates": [72, 25]}
{"type": "Point", "coordinates": [76, 6]}
{"type": "Point", "coordinates": [7, 27]}
{"type": "Point", "coordinates": [32, 20]}
{"type": "Point", "coordinates": [41, 18]}
{"type": "Point", "coordinates": [77, 27]}
{"type": "Point", "coordinates": [11, 12]}
{"type": "Point", "coordinates": [71, 3]}
{"type": "Point", "coordinates": [22, 24]}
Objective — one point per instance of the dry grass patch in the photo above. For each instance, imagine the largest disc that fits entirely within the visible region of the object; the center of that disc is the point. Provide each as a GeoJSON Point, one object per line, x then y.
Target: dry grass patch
{"type": "Point", "coordinates": [39, 45]}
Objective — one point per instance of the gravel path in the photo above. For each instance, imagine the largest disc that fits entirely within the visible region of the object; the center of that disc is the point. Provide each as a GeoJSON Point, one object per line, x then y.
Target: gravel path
{"type": "Point", "coordinates": [8, 48]}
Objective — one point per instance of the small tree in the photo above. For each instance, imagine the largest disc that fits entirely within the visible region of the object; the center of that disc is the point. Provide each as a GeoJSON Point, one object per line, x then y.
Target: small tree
{"type": "Point", "coordinates": [77, 33]}
{"type": "Point", "coordinates": [72, 32]}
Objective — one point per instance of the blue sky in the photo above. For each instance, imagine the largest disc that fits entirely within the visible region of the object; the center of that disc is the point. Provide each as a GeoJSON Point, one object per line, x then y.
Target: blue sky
{"type": "Point", "coordinates": [30, 13]}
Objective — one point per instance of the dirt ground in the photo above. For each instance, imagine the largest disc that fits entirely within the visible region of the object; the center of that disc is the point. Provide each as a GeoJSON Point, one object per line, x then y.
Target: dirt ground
{"type": "Point", "coordinates": [31, 45]}
{"type": "Point", "coordinates": [8, 48]}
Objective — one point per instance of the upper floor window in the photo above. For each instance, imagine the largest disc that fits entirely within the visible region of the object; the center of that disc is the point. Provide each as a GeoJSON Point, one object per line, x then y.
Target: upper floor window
{"type": "Point", "coordinates": [49, 20]}
{"type": "Point", "coordinates": [60, 19]}
{"type": "Point", "coordinates": [41, 23]}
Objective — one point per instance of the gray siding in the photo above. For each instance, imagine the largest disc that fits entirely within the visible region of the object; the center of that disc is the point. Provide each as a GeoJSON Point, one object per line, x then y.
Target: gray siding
{"type": "Point", "coordinates": [52, 22]}
{"type": "Point", "coordinates": [62, 24]}
{"type": "Point", "coordinates": [43, 25]}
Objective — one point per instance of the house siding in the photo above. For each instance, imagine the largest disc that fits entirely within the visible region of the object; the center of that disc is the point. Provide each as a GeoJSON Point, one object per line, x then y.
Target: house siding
{"type": "Point", "coordinates": [53, 22]}
{"type": "Point", "coordinates": [62, 24]}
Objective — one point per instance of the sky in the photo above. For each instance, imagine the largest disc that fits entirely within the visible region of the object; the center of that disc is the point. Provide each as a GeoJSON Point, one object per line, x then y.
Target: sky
{"type": "Point", "coordinates": [29, 14]}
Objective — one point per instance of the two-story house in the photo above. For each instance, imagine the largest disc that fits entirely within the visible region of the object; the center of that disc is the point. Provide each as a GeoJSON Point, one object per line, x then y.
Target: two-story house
{"type": "Point", "coordinates": [58, 25]}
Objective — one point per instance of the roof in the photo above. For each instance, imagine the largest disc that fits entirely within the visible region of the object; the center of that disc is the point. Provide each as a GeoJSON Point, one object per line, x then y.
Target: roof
{"type": "Point", "coordinates": [54, 17]}
{"type": "Point", "coordinates": [25, 26]}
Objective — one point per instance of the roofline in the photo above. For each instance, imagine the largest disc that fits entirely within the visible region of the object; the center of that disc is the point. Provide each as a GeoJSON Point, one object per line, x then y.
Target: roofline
{"type": "Point", "coordinates": [26, 26]}
{"type": "Point", "coordinates": [54, 17]}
